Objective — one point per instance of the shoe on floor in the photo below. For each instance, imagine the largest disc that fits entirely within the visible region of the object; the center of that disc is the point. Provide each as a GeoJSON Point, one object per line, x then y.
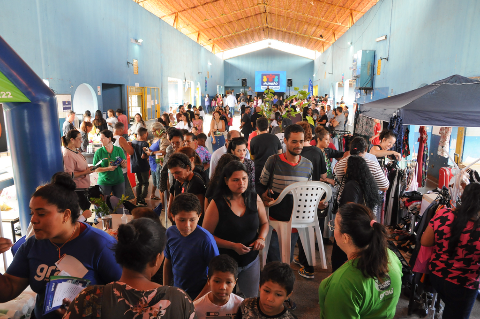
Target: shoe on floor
{"type": "Point", "coordinates": [305, 274]}
{"type": "Point", "coordinates": [296, 260]}
{"type": "Point", "coordinates": [290, 304]}
{"type": "Point", "coordinates": [141, 203]}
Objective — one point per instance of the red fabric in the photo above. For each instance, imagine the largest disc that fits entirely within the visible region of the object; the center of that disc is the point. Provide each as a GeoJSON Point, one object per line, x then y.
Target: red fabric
{"type": "Point", "coordinates": [376, 129]}
{"type": "Point", "coordinates": [313, 142]}
{"type": "Point", "coordinates": [131, 176]}
{"type": "Point", "coordinates": [422, 140]}
{"type": "Point", "coordinates": [283, 157]}
{"type": "Point", "coordinates": [123, 118]}
{"type": "Point", "coordinates": [82, 227]}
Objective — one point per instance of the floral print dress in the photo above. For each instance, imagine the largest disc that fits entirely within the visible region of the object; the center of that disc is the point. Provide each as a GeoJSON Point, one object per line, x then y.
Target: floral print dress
{"type": "Point", "coordinates": [118, 300]}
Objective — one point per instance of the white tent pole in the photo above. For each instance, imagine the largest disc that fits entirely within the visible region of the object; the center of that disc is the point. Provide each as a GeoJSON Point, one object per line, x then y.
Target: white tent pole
{"type": "Point", "coordinates": [1, 235]}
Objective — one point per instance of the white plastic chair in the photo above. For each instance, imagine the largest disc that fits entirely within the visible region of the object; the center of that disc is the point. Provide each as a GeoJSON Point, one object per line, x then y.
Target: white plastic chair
{"type": "Point", "coordinates": [306, 196]}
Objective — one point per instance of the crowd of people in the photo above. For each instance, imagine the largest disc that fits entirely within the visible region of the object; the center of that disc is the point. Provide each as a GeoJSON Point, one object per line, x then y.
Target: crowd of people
{"type": "Point", "coordinates": [208, 260]}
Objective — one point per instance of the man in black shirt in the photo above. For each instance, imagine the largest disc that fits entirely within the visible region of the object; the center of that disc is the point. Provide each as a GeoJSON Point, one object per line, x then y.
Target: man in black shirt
{"type": "Point", "coordinates": [190, 112]}
{"type": "Point", "coordinates": [256, 115]}
{"type": "Point", "coordinates": [263, 146]}
{"type": "Point", "coordinates": [140, 166]}
{"type": "Point", "coordinates": [246, 123]}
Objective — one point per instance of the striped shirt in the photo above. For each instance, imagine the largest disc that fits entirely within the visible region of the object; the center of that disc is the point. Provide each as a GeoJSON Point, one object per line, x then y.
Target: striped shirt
{"type": "Point", "coordinates": [286, 173]}
{"type": "Point", "coordinates": [375, 169]}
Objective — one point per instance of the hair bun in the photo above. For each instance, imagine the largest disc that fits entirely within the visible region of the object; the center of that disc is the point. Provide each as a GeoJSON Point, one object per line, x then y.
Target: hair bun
{"type": "Point", "coordinates": [127, 234]}
{"type": "Point", "coordinates": [64, 180]}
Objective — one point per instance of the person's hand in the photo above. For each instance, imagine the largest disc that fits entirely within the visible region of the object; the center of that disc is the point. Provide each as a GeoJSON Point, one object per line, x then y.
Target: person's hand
{"type": "Point", "coordinates": [87, 213]}
{"type": "Point", "coordinates": [267, 200]}
{"type": "Point", "coordinates": [322, 205]}
{"type": "Point", "coordinates": [258, 244]}
{"type": "Point", "coordinates": [124, 163]}
{"type": "Point", "coordinates": [397, 156]}
{"type": "Point", "coordinates": [5, 244]}
{"type": "Point", "coordinates": [88, 170]}
{"type": "Point", "coordinates": [63, 309]}
{"type": "Point", "coordinates": [241, 249]}
{"type": "Point", "coordinates": [112, 168]}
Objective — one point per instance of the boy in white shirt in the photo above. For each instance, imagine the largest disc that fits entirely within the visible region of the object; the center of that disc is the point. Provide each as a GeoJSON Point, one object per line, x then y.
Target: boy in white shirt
{"type": "Point", "coordinates": [220, 302]}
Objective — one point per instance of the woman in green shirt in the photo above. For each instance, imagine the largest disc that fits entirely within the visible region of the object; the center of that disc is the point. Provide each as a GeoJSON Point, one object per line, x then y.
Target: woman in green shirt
{"type": "Point", "coordinates": [368, 285]}
{"type": "Point", "coordinates": [110, 178]}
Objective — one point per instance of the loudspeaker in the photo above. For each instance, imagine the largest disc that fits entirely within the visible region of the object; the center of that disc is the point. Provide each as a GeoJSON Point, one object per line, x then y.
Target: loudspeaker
{"type": "Point", "coordinates": [289, 83]}
{"type": "Point", "coordinates": [244, 82]}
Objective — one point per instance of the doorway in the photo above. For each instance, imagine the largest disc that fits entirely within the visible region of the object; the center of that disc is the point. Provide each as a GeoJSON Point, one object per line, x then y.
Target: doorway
{"type": "Point", "coordinates": [112, 97]}
{"type": "Point", "coordinates": [84, 99]}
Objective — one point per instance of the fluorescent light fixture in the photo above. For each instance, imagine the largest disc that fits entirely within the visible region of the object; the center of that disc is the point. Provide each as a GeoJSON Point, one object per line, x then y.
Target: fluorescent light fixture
{"type": "Point", "coordinates": [139, 41]}
{"type": "Point", "coordinates": [383, 37]}
{"type": "Point", "coordinates": [350, 43]}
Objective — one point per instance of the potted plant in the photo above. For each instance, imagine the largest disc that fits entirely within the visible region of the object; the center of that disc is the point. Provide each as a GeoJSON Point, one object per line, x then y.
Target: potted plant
{"type": "Point", "coordinates": [102, 209]}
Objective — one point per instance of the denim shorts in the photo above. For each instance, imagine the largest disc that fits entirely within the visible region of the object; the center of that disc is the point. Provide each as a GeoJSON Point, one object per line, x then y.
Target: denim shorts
{"type": "Point", "coordinates": [156, 176]}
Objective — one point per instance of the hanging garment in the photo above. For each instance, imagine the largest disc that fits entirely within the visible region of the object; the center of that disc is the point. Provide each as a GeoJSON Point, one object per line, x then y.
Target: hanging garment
{"type": "Point", "coordinates": [425, 164]}
{"type": "Point", "coordinates": [364, 126]}
{"type": "Point", "coordinates": [396, 127]}
{"type": "Point", "coordinates": [444, 145]}
{"type": "Point", "coordinates": [406, 145]}
{"type": "Point", "coordinates": [423, 141]}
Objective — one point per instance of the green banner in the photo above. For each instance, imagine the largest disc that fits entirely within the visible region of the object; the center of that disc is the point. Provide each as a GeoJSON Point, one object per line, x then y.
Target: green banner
{"type": "Point", "coordinates": [9, 92]}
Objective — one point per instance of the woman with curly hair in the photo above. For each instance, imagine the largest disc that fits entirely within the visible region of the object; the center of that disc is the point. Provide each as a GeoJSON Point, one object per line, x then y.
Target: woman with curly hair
{"type": "Point", "coordinates": [361, 188]}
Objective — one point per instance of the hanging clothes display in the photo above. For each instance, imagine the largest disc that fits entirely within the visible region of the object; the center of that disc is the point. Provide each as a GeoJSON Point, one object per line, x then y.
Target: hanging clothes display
{"type": "Point", "coordinates": [444, 144]}
{"type": "Point", "coordinates": [406, 145]}
{"type": "Point", "coordinates": [422, 158]}
{"type": "Point", "coordinates": [364, 126]}
{"type": "Point", "coordinates": [396, 127]}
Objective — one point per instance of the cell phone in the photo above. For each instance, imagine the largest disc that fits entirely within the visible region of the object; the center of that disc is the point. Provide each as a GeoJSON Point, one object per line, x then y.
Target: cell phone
{"type": "Point", "coordinates": [94, 167]}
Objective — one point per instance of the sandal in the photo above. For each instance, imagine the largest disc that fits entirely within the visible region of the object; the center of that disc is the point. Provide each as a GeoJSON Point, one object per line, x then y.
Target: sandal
{"type": "Point", "coordinates": [154, 197]}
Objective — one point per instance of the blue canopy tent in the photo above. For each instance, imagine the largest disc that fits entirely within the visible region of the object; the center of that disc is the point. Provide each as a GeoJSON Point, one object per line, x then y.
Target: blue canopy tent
{"type": "Point", "coordinates": [454, 101]}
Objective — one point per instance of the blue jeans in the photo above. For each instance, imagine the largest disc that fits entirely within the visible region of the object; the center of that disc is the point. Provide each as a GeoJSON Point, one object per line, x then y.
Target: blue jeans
{"type": "Point", "coordinates": [249, 278]}
{"type": "Point", "coordinates": [117, 190]}
{"type": "Point", "coordinates": [458, 300]}
{"type": "Point", "coordinates": [274, 249]}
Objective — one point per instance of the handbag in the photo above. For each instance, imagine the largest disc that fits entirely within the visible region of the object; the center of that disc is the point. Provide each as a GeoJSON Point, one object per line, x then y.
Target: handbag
{"type": "Point", "coordinates": [283, 210]}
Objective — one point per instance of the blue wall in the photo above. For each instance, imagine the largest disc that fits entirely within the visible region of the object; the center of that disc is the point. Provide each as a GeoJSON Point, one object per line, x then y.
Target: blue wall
{"type": "Point", "coordinates": [429, 40]}
{"type": "Point", "coordinates": [298, 68]}
{"type": "Point", "coordinates": [88, 41]}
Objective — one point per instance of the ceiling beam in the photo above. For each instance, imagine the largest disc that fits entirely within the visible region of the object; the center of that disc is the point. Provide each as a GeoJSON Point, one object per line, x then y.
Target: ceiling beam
{"type": "Point", "coordinates": [232, 34]}
{"type": "Point", "coordinates": [190, 8]}
{"type": "Point", "coordinates": [333, 5]}
{"type": "Point", "coordinates": [306, 15]}
{"type": "Point", "coordinates": [296, 33]}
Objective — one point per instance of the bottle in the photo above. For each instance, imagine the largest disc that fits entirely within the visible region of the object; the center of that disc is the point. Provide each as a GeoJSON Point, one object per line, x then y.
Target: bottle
{"type": "Point", "coordinates": [124, 217]}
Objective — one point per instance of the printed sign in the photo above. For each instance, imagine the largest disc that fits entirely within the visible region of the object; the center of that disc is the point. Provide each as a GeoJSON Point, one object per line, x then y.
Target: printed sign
{"type": "Point", "coordinates": [67, 106]}
{"type": "Point", "coordinates": [9, 92]}
{"type": "Point", "coordinates": [275, 80]}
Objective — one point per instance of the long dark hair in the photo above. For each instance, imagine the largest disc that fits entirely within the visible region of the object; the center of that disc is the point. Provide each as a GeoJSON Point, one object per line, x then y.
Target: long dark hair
{"type": "Point", "coordinates": [371, 240]}
{"type": "Point", "coordinates": [99, 120]}
{"type": "Point", "coordinates": [222, 187]}
{"type": "Point", "coordinates": [357, 170]}
{"type": "Point", "coordinates": [71, 134]}
{"type": "Point", "coordinates": [141, 118]}
{"type": "Point", "coordinates": [189, 120]}
{"type": "Point", "coordinates": [468, 210]}
{"type": "Point", "coordinates": [224, 160]}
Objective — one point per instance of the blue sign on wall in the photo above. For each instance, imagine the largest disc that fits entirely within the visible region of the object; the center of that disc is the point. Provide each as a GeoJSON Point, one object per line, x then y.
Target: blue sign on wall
{"type": "Point", "coordinates": [275, 80]}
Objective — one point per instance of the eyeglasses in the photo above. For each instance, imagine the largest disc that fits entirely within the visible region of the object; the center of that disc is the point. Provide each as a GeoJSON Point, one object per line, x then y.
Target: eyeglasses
{"type": "Point", "coordinates": [331, 225]}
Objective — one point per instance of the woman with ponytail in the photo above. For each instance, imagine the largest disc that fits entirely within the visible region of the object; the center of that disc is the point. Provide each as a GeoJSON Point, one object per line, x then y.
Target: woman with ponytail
{"type": "Point", "coordinates": [58, 232]}
{"type": "Point", "coordinates": [140, 253]}
{"type": "Point", "coordinates": [368, 285]}
{"type": "Point", "coordinates": [455, 261]}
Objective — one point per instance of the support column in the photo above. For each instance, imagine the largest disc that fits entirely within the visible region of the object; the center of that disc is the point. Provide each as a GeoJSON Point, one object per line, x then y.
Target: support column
{"type": "Point", "coordinates": [32, 130]}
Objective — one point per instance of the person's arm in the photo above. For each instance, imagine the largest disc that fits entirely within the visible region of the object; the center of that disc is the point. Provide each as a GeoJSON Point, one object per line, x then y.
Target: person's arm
{"type": "Point", "coordinates": [170, 201]}
{"type": "Point", "coordinates": [126, 146]}
{"type": "Point", "coordinates": [12, 287]}
{"type": "Point", "coordinates": [375, 150]}
{"type": "Point", "coordinates": [201, 198]}
{"type": "Point", "coordinates": [205, 206]}
{"type": "Point", "coordinates": [428, 237]}
{"type": "Point", "coordinates": [167, 272]}
{"type": "Point", "coordinates": [69, 167]}
{"type": "Point", "coordinates": [322, 122]}
{"type": "Point", "coordinates": [379, 176]}
{"type": "Point", "coordinates": [106, 169]}
{"type": "Point", "coordinates": [259, 244]}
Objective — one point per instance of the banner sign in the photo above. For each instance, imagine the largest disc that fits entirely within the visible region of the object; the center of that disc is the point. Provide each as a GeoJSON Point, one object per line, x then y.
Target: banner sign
{"type": "Point", "coordinates": [275, 80]}
{"type": "Point", "coordinates": [9, 92]}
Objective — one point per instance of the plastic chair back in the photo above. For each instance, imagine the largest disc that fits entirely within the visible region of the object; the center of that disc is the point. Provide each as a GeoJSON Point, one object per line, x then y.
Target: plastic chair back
{"type": "Point", "coordinates": [306, 196]}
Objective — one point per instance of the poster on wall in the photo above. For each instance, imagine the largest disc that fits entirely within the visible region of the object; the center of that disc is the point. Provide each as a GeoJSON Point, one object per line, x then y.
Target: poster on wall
{"type": "Point", "coordinates": [3, 133]}
{"type": "Point", "coordinates": [275, 80]}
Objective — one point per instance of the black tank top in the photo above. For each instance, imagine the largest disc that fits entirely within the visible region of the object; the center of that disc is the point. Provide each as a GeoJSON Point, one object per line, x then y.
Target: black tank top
{"type": "Point", "coordinates": [381, 160]}
{"type": "Point", "coordinates": [238, 229]}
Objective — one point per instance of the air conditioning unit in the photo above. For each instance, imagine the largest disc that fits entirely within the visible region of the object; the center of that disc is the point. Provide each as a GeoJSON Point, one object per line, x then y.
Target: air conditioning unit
{"type": "Point", "coordinates": [365, 61]}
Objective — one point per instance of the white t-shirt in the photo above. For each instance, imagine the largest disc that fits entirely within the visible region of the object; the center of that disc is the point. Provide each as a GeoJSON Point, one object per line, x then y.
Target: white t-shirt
{"type": "Point", "coordinates": [282, 142]}
{"type": "Point", "coordinates": [113, 121]}
{"type": "Point", "coordinates": [117, 143]}
{"type": "Point", "coordinates": [182, 126]}
{"type": "Point", "coordinates": [202, 114]}
{"type": "Point", "coordinates": [205, 309]}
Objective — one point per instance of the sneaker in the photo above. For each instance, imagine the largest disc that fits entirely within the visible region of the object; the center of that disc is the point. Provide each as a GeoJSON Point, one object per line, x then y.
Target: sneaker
{"type": "Point", "coordinates": [305, 274]}
{"type": "Point", "coordinates": [290, 304]}
{"type": "Point", "coordinates": [296, 260]}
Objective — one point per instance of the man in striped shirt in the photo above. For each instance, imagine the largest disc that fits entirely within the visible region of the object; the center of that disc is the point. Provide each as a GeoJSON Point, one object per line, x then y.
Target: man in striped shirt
{"type": "Point", "coordinates": [287, 168]}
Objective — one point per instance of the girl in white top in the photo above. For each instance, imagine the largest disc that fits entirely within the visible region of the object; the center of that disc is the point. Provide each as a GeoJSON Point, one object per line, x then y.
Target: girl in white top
{"type": "Point", "coordinates": [138, 124]}
{"type": "Point", "coordinates": [202, 112]}
{"type": "Point", "coordinates": [111, 120]}
{"type": "Point", "coordinates": [184, 123]}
